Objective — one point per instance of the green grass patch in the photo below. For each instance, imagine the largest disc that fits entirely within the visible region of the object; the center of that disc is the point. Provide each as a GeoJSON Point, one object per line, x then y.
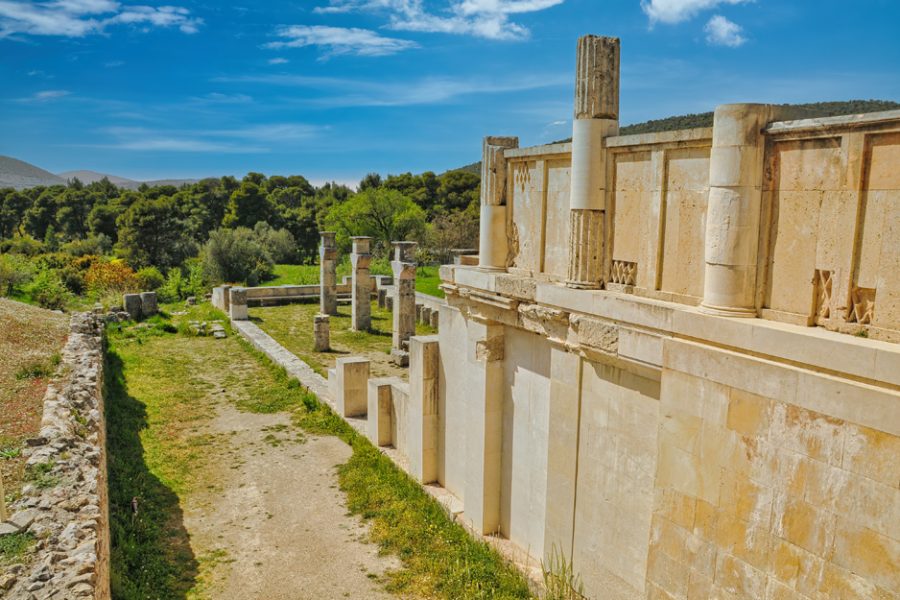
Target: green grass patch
{"type": "Point", "coordinates": [14, 547]}
{"type": "Point", "coordinates": [427, 278]}
{"type": "Point", "coordinates": [41, 475]}
{"type": "Point", "coordinates": [43, 368]}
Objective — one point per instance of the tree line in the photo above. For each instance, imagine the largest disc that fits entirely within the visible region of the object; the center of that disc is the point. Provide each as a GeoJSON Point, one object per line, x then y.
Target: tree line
{"type": "Point", "coordinates": [225, 229]}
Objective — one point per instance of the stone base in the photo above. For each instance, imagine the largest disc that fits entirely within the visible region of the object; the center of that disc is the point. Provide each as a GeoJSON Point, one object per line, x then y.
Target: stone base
{"type": "Point", "coordinates": [400, 357]}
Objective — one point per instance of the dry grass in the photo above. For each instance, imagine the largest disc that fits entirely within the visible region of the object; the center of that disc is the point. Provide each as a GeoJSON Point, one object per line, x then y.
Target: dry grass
{"type": "Point", "coordinates": [30, 341]}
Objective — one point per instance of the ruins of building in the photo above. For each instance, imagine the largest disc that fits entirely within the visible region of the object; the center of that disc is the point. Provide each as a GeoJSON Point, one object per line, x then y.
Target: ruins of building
{"type": "Point", "coordinates": [676, 361]}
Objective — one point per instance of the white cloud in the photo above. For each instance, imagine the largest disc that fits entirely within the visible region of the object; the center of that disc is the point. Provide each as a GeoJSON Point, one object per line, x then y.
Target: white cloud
{"type": "Point", "coordinates": [78, 18]}
{"type": "Point", "coordinates": [430, 90]}
{"type": "Point", "coordinates": [278, 61]}
{"type": "Point", "coordinates": [226, 141]}
{"type": "Point", "coordinates": [340, 40]}
{"type": "Point", "coordinates": [676, 11]}
{"type": "Point", "coordinates": [481, 18]}
{"type": "Point", "coordinates": [722, 32]}
{"type": "Point", "coordinates": [46, 96]}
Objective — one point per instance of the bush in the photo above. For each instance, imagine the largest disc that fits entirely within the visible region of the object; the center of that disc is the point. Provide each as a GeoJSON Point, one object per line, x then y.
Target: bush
{"type": "Point", "coordinates": [15, 271]}
{"type": "Point", "coordinates": [26, 245]}
{"type": "Point", "coordinates": [105, 278]}
{"type": "Point", "coordinates": [94, 245]}
{"type": "Point", "coordinates": [235, 255]}
{"type": "Point", "coordinates": [279, 243]}
{"type": "Point", "coordinates": [172, 289]}
{"type": "Point", "coordinates": [149, 279]}
{"type": "Point", "coordinates": [48, 290]}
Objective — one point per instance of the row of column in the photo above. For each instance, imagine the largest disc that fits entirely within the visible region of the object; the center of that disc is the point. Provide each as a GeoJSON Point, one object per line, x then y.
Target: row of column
{"type": "Point", "coordinates": [735, 188]}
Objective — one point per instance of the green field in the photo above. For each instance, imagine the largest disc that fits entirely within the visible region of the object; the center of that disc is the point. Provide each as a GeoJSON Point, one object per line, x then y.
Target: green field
{"type": "Point", "coordinates": [427, 278]}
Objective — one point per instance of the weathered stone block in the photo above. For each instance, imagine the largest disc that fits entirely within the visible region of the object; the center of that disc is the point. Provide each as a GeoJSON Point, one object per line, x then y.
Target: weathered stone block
{"type": "Point", "coordinates": [379, 411]}
{"type": "Point", "coordinates": [322, 333]}
{"type": "Point", "coordinates": [237, 308]}
{"type": "Point", "coordinates": [132, 304]}
{"type": "Point", "coordinates": [148, 304]}
{"type": "Point", "coordinates": [352, 387]}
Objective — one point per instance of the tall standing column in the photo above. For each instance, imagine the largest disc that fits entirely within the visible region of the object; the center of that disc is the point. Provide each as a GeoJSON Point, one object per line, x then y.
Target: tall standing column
{"type": "Point", "coordinates": [362, 284]}
{"type": "Point", "coordinates": [733, 210]}
{"type": "Point", "coordinates": [596, 117]}
{"type": "Point", "coordinates": [328, 274]}
{"type": "Point", "coordinates": [493, 245]}
{"type": "Point", "coordinates": [404, 268]}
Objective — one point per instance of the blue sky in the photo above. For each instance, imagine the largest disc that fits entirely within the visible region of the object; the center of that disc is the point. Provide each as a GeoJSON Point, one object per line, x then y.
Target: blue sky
{"type": "Point", "coordinates": [333, 89]}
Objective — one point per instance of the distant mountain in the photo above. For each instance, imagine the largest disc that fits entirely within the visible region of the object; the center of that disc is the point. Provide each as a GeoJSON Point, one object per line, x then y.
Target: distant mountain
{"type": "Point", "coordinates": [88, 177]}
{"type": "Point", "coordinates": [19, 174]}
{"type": "Point", "coordinates": [693, 121]}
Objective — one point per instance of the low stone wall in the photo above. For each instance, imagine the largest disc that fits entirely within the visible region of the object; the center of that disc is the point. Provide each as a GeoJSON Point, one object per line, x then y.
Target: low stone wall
{"type": "Point", "coordinates": [67, 510]}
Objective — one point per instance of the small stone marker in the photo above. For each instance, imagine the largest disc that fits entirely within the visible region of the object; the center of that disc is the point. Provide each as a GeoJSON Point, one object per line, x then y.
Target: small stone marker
{"type": "Point", "coordinates": [148, 304]}
{"type": "Point", "coordinates": [322, 332]}
{"type": "Point", "coordinates": [132, 304]}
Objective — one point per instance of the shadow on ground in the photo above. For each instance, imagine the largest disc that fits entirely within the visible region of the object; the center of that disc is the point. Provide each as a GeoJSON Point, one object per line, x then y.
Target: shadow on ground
{"type": "Point", "coordinates": [151, 553]}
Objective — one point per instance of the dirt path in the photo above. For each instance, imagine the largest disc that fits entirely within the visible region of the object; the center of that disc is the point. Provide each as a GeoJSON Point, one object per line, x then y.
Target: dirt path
{"type": "Point", "coordinates": [275, 525]}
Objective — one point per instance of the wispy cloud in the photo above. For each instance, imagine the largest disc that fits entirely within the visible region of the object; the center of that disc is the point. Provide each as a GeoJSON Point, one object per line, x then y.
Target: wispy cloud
{"type": "Point", "coordinates": [676, 11]}
{"type": "Point", "coordinates": [78, 18]}
{"type": "Point", "coordinates": [220, 98]}
{"type": "Point", "coordinates": [278, 61]}
{"type": "Point", "coordinates": [253, 139]}
{"type": "Point", "coordinates": [46, 96]}
{"type": "Point", "coordinates": [722, 32]}
{"type": "Point", "coordinates": [481, 18]}
{"type": "Point", "coordinates": [340, 40]}
{"type": "Point", "coordinates": [429, 90]}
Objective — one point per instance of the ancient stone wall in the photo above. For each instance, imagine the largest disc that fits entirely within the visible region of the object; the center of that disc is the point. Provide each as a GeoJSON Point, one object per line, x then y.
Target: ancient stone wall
{"type": "Point", "coordinates": [67, 512]}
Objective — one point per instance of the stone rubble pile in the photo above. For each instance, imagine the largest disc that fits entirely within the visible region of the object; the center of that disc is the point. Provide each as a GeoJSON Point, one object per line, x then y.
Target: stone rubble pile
{"type": "Point", "coordinates": [215, 328]}
{"type": "Point", "coordinates": [64, 507]}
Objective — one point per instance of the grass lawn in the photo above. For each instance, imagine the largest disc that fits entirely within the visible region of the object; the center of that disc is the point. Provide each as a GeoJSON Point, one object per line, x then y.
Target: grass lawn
{"type": "Point", "coordinates": [427, 279]}
{"type": "Point", "coordinates": [30, 341]}
{"type": "Point", "coordinates": [158, 384]}
{"type": "Point", "coordinates": [292, 326]}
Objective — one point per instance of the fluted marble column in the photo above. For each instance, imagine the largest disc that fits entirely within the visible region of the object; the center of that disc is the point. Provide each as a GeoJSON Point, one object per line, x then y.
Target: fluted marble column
{"type": "Point", "coordinates": [596, 117]}
{"type": "Point", "coordinates": [733, 211]}
{"type": "Point", "coordinates": [493, 245]}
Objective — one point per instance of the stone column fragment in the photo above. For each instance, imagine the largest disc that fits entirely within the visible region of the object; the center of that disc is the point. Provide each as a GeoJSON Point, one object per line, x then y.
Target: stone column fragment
{"type": "Point", "coordinates": [322, 333]}
{"type": "Point", "coordinates": [733, 212]}
{"type": "Point", "coordinates": [379, 425]}
{"type": "Point", "coordinates": [148, 304]}
{"type": "Point", "coordinates": [424, 367]}
{"type": "Point", "coordinates": [404, 268]}
{"type": "Point", "coordinates": [352, 386]}
{"type": "Point", "coordinates": [484, 411]}
{"type": "Point", "coordinates": [132, 305]}
{"type": "Point", "coordinates": [596, 117]}
{"type": "Point", "coordinates": [493, 243]}
{"type": "Point", "coordinates": [328, 274]}
{"type": "Point", "coordinates": [362, 284]}
{"type": "Point", "coordinates": [237, 308]}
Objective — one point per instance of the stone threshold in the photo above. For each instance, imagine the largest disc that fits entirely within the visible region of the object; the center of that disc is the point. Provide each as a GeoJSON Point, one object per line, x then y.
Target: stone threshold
{"type": "Point", "coordinates": [530, 566]}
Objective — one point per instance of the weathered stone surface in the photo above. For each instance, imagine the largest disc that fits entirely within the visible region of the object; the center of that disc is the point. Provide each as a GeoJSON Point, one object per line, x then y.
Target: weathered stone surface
{"type": "Point", "coordinates": [404, 297]}
{"type": "Point", "coordinates": [132, 303]}
{"type": "Point", "coordinates": [70, 518]}
{"type": "Point", "coordinates": [148, 304]}
{"type": "Point", "coordinates": [328, 273]}
{"type": "Point", "coordinates": [361, 300]}
{"type": "Point", "coordinates": [322, 333]}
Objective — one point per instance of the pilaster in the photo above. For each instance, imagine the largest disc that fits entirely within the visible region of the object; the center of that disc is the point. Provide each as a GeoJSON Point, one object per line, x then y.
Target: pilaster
{"type": "Point", "coordinates": [493, 245]}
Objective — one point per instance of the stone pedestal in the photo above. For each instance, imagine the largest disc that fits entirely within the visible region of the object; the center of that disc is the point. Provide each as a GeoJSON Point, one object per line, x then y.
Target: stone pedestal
{"type": "Point", "coordinates": [362, 284]}
{"type": "Point", "coordinates": [733, 213]}
{"type": "Point", "coordinates": [237, 308]}
{"type": "Point", "coordinates": [596, 117]}
{"type": "Point", "coordinates": [352, 376]}
{"type": "Point", "coordinates": [493, 246]}
{"type": "Point", "coordinates": [424, 367]}
{"type": "Point", "coordinates": [322, 333]}
{"type": "Point", "coordinates": [132, 305]}
{"type": "Point", "coordinates": [378, 425]}
{"type": "Point", "coordinates": [404, 299]}
{"type": "Point", "coordinates": [382, 297]}
{"type": "Point", "coordinates": [220, 297]}
{"type": "Point", "coordinates": [148, 304]}
{"type": "Point", "coordinates": [328, 274]}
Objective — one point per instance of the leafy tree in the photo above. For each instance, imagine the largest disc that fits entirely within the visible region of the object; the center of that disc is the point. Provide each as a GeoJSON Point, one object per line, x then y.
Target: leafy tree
{"type": "Point", "coordinates": [370, 181]}
{"type": "Point", "coordinates": [247, 206]}
{"type": "Point", "coordinates": [383, 214]}
{"type": "Point", "coordinates": [150, 233]}
{"type": "Point", "coordinates": [457, 190]}
{"type": "Point", "coordinates": [41, 214]}
{"type": "Point", "coordinates": [102, 220]}
{"type": "Point", "coordinates": [235, 255]}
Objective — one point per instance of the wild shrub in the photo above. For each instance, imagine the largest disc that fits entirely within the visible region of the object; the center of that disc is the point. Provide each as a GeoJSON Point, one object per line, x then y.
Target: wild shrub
{"type": "Point", "coordinates": [15, 271]}
{"type": "Point", "coordinates": [110, 277]}
{"type": "Point", "coordinates": [149, 279]}
{"type": "Point", "coordinates": [236, 255]}
{"type": "Point", "coordinates": [48, 290]}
